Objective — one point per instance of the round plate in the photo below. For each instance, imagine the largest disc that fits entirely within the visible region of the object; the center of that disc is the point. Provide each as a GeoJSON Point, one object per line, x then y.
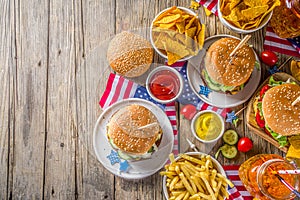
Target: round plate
{"type": "Point", "coordinates": [137, 169]}
{"type": "Point", "coordinates": [214, 98]}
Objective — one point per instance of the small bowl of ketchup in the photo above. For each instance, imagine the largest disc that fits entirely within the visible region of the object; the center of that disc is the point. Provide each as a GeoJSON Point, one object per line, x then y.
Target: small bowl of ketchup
{"type": "Point", "coordinates": [164, 84]}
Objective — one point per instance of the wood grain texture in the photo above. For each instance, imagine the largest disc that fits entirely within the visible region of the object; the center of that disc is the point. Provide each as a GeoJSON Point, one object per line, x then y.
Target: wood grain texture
{"type": "Point", "coordinates": [7, 67]}
{"type": "Point", "coordinates": [53, 72]}
{"type": "Point", "coordinates": [61, 123]}
{"type": "Point", "coordinates": [30, 100]}
{"type": "Point", "coordinates": [95, 26]}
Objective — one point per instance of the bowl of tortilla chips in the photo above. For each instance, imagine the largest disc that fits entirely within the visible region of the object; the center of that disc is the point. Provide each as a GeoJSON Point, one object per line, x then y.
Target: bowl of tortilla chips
{"type": "Point", "coordinates": [246, 16]}
{"type": "Point", "coordinates": [177, 34]}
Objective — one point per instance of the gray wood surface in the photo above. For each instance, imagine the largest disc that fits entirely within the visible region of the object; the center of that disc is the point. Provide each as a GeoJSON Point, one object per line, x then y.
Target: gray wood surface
{"type": "Point", "coordinates": [52, 75]}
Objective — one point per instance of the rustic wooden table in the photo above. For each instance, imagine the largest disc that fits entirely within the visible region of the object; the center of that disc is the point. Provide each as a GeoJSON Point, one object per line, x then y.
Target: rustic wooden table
{"type": "Point", "coordinates": [50, 85]}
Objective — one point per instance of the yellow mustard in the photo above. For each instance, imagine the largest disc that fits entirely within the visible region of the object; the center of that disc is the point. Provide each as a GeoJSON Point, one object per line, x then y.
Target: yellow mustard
{"type": "Point", "coordinates": [208, 126]}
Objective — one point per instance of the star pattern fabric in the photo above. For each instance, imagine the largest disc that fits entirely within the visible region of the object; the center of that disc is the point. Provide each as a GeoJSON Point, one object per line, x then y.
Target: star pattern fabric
{"type": "Point", "coordinates": [273, 70]}
{"type": "Point", "coordinates": [295, 42]}
{"type": "Point", "coordinates": [113, 157]}
{"type": "Point", "coordinates": [204, 90]}
{"type": "Point", "coordinates": [142, 93]}
{"type": "Point", "coordinates": [187, 96]}
{"type": "Point", "coordinates": [124, 166]}
{"type": "Point", "coordinates": [231, 117]}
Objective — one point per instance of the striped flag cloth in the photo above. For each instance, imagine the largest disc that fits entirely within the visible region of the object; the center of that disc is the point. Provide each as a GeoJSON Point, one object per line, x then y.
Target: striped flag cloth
{"type": "Point", "coordinates": [211, 5]}
{"type": "Point", "coordinates": [289, 46]}
{"type": "Point", "coordinates": [239, 192]}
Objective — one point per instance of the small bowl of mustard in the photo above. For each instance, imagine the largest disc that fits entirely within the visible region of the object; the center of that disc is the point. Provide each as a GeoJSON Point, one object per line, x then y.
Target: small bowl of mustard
{"type": "Point", "coordinates": [207, 126]}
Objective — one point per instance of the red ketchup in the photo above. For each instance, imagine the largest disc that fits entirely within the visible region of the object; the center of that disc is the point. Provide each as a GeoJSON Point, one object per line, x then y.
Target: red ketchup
{"type": "Point", "coordinates": [164, 85]}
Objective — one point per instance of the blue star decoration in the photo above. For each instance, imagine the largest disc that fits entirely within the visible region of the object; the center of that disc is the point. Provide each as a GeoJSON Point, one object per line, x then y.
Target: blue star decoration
{"type": "Point", "coordinates": [204, 90]}
{"type": "Point", "coordinates": [273, 70]}
{"type": "Point", "coordinates": [113, 157]}
{"type": "Point", "coordinates": [230, 117]}
{"type": "Point", "coordinates": [124, 166]}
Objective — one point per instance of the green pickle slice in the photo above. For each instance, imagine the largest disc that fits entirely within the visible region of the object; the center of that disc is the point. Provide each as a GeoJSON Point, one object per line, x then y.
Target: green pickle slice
{"type": "Point", "coordinates": [229, 151]}
{"type": "Point", "coordinates": [230, 137]}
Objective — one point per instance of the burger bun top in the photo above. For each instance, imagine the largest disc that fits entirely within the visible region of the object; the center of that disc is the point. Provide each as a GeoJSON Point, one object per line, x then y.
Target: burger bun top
{"type": "Point", "coordinates": [226, 70]}
{"type": "Point", "coordinates": [279, 114]}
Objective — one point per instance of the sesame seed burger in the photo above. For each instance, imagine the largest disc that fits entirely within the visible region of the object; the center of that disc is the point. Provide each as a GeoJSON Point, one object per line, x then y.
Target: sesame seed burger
{"type": "Point", "coordinates": [224, 73]}
{"type": "Point", "coordinates": [129, 54]}
{"type": "Point", "coordinates": [274, 111]}
{"type": "Point", "coordinates": [134, 132]}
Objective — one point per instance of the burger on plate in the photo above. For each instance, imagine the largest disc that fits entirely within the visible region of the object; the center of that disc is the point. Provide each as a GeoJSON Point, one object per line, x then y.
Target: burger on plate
{"type": "Point", "coordinates": [224, 73]}
{"type": "Point", "coordinates": [134, 132]}
{"type": "Point", "coordinates": [274, 111]}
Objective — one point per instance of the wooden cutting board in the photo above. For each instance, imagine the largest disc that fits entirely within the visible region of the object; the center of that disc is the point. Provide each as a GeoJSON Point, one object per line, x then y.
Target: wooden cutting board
{"type": "Point", "coordinates": [251, 122]}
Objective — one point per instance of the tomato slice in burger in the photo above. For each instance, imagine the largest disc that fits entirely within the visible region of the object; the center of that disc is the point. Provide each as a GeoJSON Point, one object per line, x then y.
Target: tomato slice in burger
{"type": "Point", "coordinates": [263, 91]}
{"type": "Point", "coordinates": [260, 121]}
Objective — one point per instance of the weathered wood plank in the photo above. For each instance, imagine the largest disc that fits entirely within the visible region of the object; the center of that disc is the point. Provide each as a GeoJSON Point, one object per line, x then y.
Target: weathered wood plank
{"type": "Point", "coordinates": [96, 25]}
{"type": "Point", "coordinates": [60, 163]}
{"type": "Point", "coordinates": [30, 79]}
{"type": "Point", "coordinates": [7, 54]}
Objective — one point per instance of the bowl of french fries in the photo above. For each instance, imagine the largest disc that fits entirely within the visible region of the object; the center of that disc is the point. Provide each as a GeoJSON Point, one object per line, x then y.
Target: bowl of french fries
{"type": "Point", "coordinates": [177, 34]}
{"type": "Point", "coordinates": [195, 175]}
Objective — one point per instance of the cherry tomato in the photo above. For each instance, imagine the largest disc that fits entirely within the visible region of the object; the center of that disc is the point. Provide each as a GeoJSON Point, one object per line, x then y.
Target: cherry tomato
{"type": "Point", "coordinates": [269, 57]}
{"type": "Point", "coordinates": [244, 144]}
{"type": "Point", "coordinates": [188, 111]}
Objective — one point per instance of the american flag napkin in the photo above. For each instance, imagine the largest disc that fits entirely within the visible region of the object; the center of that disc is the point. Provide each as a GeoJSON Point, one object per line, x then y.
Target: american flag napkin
{"type": "Point", "coordinates": [289, 46]}
{"type": "Point", "coordinates": [211, 5]}
{"type": "Point", "coordinates": [239, 192]}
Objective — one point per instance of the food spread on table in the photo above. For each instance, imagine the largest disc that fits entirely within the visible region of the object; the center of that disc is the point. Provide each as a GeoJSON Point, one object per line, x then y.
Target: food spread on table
{"type": "Point", "coordinates": [273, 113]}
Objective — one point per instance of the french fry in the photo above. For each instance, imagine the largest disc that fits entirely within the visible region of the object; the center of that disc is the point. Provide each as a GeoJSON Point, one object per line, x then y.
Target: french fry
{"type": "Point", "coordinates": [186, 184]}
{"type": "Point", "coordinates": [226, 180]}
{"type": "Point", "coordinates": [210, 190]}
{"type": "Point", "coordinates": [192, 159]}
{"type": "Point", "coordinates": [173, 182]}
{"type": "Point", "coordinates": [186, 196]}
{"type": "Point", "coordinates": [181, 196]}
{"type": "Point", "coordinates": [199, 195]}
{"type": "Point", "coordinates": [198, 185]}
{"type": "Point", "coordinates": [168, 174]}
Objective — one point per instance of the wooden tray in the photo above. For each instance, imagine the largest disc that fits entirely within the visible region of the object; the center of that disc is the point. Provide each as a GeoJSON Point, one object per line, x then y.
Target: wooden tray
{"type": "Point", "coordinates": [251, 122]}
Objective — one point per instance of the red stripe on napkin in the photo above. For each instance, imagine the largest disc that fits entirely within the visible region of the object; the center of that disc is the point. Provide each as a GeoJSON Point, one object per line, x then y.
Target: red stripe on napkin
{"type": "Point", "coordinates": [239, 192]}
{"type": "Point", "coordinates": [281, 45]}
{"type": "Point", "coordinates": [211, 5]}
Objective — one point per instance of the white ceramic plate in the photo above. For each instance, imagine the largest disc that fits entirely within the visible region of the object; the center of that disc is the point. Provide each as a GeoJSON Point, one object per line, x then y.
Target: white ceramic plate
{"type": "Point", "coordinates": [138, 169]}
{"type": "Point", "coordinates": [215, 98]}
